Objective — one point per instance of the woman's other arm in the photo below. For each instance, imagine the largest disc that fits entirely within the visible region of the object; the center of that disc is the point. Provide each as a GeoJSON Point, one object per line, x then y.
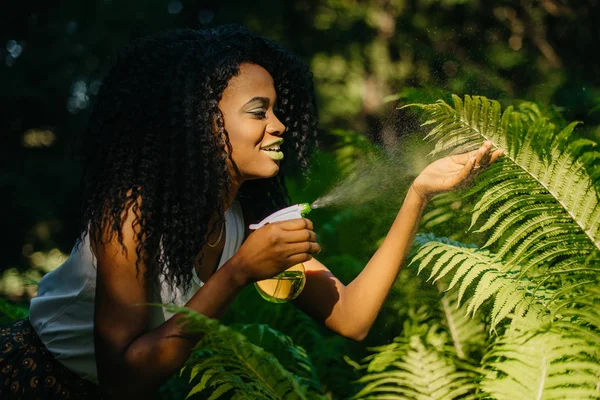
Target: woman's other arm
{"type": "Point", "coordinates": [131, 360]}
{"type": "Point", "coordinates": [134, 361]}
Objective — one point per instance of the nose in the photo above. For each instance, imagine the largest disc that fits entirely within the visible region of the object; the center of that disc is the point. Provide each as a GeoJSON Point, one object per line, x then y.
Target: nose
{"type": "Point", "coordinates": [275, 127]}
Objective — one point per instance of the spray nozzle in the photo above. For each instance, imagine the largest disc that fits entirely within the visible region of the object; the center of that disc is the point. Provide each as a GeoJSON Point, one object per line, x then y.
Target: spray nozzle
{"type": "Point", "coordinates": [292, 212]}
{"type": "Point", "coordinates": [305, 208]}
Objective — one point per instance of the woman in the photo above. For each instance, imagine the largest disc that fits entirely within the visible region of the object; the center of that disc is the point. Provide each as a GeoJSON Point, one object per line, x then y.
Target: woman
{"type": "Point", "coordinates": [183, 151]}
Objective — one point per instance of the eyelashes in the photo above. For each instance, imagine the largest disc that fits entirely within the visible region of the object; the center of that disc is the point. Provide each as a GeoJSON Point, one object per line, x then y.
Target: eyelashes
{"type": "Point", "coordinates": [259, 114]}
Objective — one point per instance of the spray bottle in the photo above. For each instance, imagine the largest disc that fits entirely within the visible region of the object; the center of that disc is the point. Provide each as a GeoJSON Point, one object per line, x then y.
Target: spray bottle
{"type": "Point", "coordinates": [288, 284]}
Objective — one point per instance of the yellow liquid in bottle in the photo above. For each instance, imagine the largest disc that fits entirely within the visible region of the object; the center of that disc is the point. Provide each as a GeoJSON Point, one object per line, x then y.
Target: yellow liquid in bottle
{"type": "Point", "coordinates": [283, 287]}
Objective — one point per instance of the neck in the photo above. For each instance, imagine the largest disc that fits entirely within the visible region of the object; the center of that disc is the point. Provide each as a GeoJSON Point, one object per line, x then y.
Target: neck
{"type": "Point", "coordinates": [233, 190]}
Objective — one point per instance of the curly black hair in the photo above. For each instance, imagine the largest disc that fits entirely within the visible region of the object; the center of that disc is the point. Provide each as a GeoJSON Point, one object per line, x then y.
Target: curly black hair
{"type": "Point", "coordinates": [151, 144]}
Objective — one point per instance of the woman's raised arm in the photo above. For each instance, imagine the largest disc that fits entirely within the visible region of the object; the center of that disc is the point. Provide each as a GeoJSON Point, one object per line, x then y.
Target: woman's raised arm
{"type": "Point", "coordinates": [351, 310]}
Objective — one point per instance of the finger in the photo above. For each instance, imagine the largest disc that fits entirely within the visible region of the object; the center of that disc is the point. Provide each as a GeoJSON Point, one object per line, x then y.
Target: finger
{"type": "Point", "coordinates": [465, 157]}
{"type": "Point", "coordinates": [483, 156]}
{"type": "Point", "coordinates": [295, 224]}
{"type": "Point", "coordinates": [495, 155]}
{"type": "Point", "coordinates": [299, 258]}
{"type": "Point", "coordinates": [304, 247]}
{"type": "Point", "coordinates": [464, 173]}
{"type": "Point", "coordinates": [302, 235]}
{"type": "Point", "coordinates": [483, 162]}
{"type": "Point", "coordinates": [477, 160]}
{"type": "Point", "coordinates": [486, 159]}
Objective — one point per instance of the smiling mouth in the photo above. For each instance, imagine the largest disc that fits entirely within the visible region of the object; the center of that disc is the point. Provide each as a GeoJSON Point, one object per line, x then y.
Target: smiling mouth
{"type": "Point", "coordinates": [273, 150]}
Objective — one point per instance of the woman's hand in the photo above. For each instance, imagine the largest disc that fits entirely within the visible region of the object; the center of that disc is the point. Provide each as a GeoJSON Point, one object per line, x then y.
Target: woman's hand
{"type": "Point", "coordinates": [454, 172]}
{"type": "Point", "coordinates": [274, 248]}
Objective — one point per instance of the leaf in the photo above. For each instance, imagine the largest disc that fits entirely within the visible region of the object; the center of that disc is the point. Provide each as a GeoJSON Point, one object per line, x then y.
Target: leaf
{"type": "Point", "coordinates": [11, 312]}
{"type": "Point", "coordinates": [415, 369]}
{"type": "Point", "coordinates": [494, 279]}
{"type": "Point", "coordinates": [562, 189]}
{"type": "Point", "coordinates": [543, 365]}
{"type": "Point", "coordinates": [235, 365]}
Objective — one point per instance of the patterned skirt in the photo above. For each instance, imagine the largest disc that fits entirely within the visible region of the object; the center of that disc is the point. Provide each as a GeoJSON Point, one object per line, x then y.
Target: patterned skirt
{"type": "Point", "coordinates": [29, 371]}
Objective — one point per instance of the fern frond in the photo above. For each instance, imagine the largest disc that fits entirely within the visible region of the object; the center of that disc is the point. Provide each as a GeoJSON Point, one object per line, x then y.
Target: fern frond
{"type": "Point", "coordinates": [540, 222]}
{"type": "Point", "coordinates": [436, 216]}
{"type": "Point", "coordinates": [227, 363]}
{"type": "Point", "coordinates": [581, 315]}
{"type": "Point", "coordinates": [516, 210]}
{"type": "Point", "coordinates": [541, 203]}
{"type": "Point", "coordinates": [545, 255]}
{"type": "Point", "coordinates": [502, 191]}
{"type": "Point", "coordinates": [469, 264]}
{"type": "Point", "coordinates": [417, 370]}
{"type": "Point", "coordinates": [249, 308]}
{"type": "Point", "coordinates": [466, 334]}
{"type": "Point", "coordinates": [539, 199]}
{"type": "Point", "coordinates": [544, 365]}
{"type": "Point", "coordinates": [294, 358]}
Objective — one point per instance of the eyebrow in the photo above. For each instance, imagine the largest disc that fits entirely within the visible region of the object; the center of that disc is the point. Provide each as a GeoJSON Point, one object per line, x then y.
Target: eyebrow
{"type": "Point", "coordinates": [258, 98]}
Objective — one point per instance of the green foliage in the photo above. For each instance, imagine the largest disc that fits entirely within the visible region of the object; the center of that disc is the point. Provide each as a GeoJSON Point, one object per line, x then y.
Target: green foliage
{"type": "Point", "coordinates": [417, 372]}
{"type": "Point", "coordinates": [10, 312]}
{"type": "Point", "coordinates": [542, 365]}
{"type": "Point", "coordinates": [471, 264]}
{"type": "Point", "coordinates": [427, 361]}
{"type": "Point", "coordinates": [294, 358]}
{"type": "Point", "coordinates": [226, 362]}
{"type": "Point", "coordinates": [534, 280]}
{"type": "Point", "coordinates": [539, 199]}
{"type": "Point", "coordinates": [326, 350]}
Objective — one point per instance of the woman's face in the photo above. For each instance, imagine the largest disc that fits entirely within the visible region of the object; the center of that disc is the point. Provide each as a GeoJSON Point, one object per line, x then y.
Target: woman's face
{"type": "Point", "coordinates": [254, 130]}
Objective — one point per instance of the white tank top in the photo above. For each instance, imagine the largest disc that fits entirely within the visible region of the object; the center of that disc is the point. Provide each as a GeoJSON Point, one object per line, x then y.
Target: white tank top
{"type": "Point", "coordinates": [63, 312]}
